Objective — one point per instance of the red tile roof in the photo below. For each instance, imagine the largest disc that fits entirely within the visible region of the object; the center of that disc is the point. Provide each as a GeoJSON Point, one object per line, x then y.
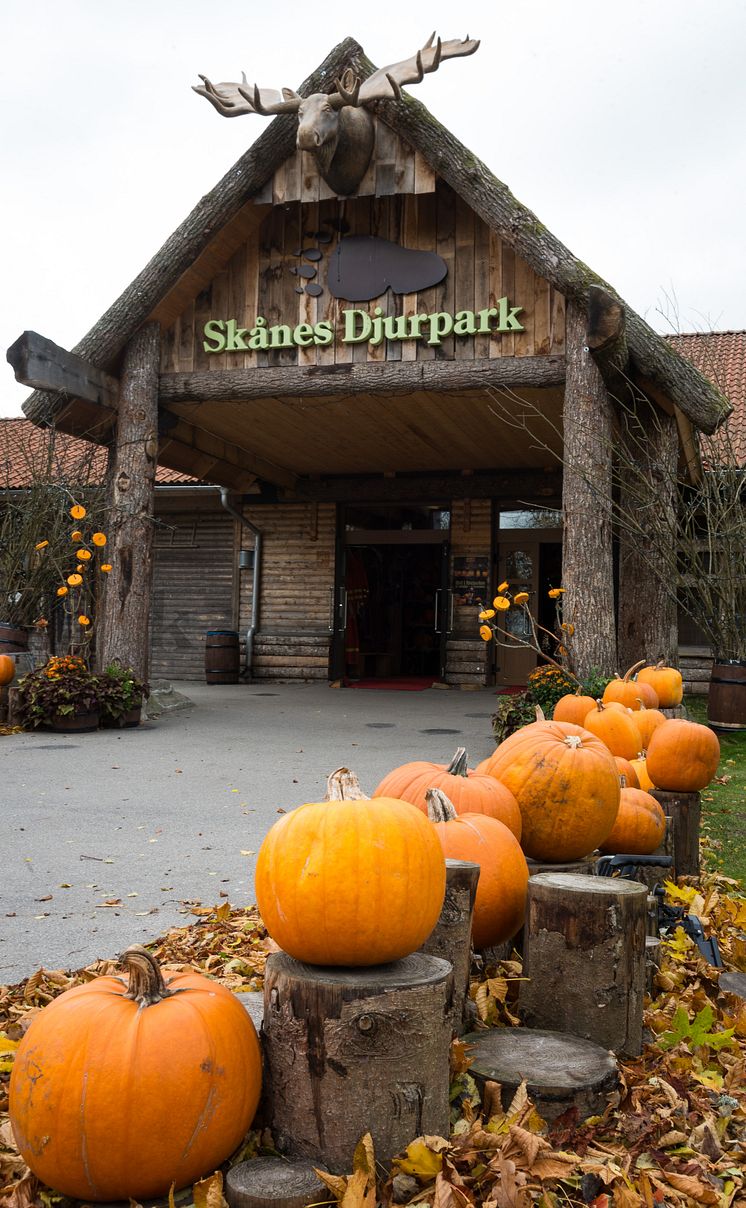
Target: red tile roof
{"type": "Point", "coordinates": [23, 446]}
{"type": "Point", "coordinates": [721, 356]}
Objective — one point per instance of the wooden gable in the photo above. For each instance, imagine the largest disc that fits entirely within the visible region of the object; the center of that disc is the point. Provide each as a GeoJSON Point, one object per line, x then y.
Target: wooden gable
{"type": "Point", "coordinates": [401, 200]}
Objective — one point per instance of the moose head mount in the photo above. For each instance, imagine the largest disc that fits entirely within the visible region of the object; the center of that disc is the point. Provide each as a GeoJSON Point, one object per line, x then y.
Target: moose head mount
{"type": "Point", "coordinates": [337, 127]}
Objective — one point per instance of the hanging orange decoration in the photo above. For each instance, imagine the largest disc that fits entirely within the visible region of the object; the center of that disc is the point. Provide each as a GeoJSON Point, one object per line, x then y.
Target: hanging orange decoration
{"type": "Point", "coordinates": [77, 511]}
{"type": "Point", "coordinates": [76, 535]}
{"type": "Point", "coordinates": [106, 567]}
{"type": "Point", "coordinates": [75, 580]}
{"type": "Point", "coordinates": [99, 538]}
{"type": "Point", "coordinates": [83, 554]}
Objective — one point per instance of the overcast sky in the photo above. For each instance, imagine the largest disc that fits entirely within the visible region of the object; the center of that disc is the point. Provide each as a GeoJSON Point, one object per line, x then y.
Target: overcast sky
{"type": "Point", "coordinates": [620, 124]}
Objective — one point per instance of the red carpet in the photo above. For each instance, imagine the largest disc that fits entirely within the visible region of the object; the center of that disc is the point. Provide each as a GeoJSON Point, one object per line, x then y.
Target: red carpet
{"type": "Point", "coordinates": [397, 683]}
{"type": "Point", "coordinates": [510, 690]}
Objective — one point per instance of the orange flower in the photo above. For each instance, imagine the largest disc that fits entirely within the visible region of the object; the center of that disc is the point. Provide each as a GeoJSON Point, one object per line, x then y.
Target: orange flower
{"type": "Point", "coordinates": [41, 623]}
{"type": "Point", "coordinates": [106, 567]}
{"type": "Point", "coordinates": [487, 614]}
{"type": "Point", "coordinates": [75, 580]}
{"type": "Point", "coordinates": [83, 620]}
{"type": "Point", "coordinates": [41, 544]}
{"type": "Point", "coordinates": [503, 587]}
{"type": "Point", "coordinates": [84, 555]}
{"type": "Point", "coordinates": [556, 592]}
{"type": "Point", "coordinates": [62, 591]}
{"type": "Point", "coordinates": [76, 535]}
{"type": "Point", "coordinates": [77, 511]}
{"type": "Point", "coordinates": [485, 633]}
{"type": "Point", "coordinates": [99, 538]}
{"type": "Point", "coordinates": [501, 603]}
{"type": "Point", "coordinates": [521, 597]}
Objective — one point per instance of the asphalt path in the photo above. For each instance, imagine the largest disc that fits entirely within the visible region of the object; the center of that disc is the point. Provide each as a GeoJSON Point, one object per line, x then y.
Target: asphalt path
{"type": "Point", "coordinates": [110, 838]}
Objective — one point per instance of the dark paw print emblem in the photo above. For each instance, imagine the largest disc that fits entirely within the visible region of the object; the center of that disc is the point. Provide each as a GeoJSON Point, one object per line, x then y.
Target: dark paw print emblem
{"type": "Point", "coordinates": [362, 267]}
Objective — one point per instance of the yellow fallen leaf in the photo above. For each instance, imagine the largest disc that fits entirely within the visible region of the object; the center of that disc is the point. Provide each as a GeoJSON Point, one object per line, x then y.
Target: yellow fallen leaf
{"type": "Point", "coordinates": [420, 1161]}
{"type": "Point", "coordinates": [208, 1193]}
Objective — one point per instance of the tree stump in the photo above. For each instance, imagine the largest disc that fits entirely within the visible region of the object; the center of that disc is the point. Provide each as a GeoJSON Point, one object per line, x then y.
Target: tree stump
{"type": "Point", "coordinates": [561, 1071]}
{"type": "Point", "coordinates": [682, 836]}
{"type": "Point", "coordinates": [273, 1183]}
{"type": "Point", "coordinates": [653, 957]}
{"type": "Point", "coordinates": [675, 711]}
{"type": "Point", "coordinates": [584, 945]}
{"type": "Point", "coordinates": [450, 939]}
{"type": "Point", "coordinates": [733, 983]}
{"type": "Point", "coordinates": [583, 867]}
{"type": "Point", "coordinates": [351, 1051]}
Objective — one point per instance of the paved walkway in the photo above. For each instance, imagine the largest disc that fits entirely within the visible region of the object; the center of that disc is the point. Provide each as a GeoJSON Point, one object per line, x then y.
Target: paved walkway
{"type": "Point", "coordinates": [174, 811]}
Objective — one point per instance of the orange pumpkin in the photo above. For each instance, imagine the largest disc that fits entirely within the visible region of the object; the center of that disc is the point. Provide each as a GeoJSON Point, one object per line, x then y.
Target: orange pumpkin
{"type": "Point", "coordinates": [500, 904]}
{"type": "Point", "coordinates": [640, 825]}
{"type": "Point", "coordinates": [118, 1091]}
{"type": "Point", "coordinates": [351, 881]}
{"type": "Point", "coordinates": [666, 681]}
{"type": "Point", "coordinates": [566, 784]}
{"type": "Point", "coordinates": [469, 792]}
{"type": "Point", "coordinates": [646, 694]}
{"type": "Point", "coordinates": [615, 728]}
{"type": "Point", "coordinates": [640, 768]}
{"type": "Point", "coordinates": [7, 669]}
{"type": "Point", "coordinates": [647, 721]}
{"type": "Point", "coordinates": [683, 756]}
{"type": "Point", "coordinates": [627, 771]}
{"type": "Point", "coordinates": [572, 708]}
{"type": "Point", "coordinates": [623, 689]}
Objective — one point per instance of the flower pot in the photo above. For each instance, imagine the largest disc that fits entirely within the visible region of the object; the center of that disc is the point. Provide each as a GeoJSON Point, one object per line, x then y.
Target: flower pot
{"type": "Point", "coordinates": [132, 717]}
{"type": "Point", "coordinates": [726, 700]}
{"type": "Point", "coordinates": [74, 723]}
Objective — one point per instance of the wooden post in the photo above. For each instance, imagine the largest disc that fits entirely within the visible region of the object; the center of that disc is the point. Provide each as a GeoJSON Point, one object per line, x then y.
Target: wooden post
{"type": "Point", "coordinates": [273, 1183]}
{"type": "Point", "coordinates": [351, 1051]}
{"type": "Point", "coordinates": [584, 957]}
{"type": "Point", "coordinates": [682, 836]}
{"type": "Point", "coordinates": [451, 936]}
{"type": "Point", "coordinates": [587, 562]}
{"type": "Point", "coordinates": [650, 443]}
{"type": "Point", "coordinates": [125, 610]}
{"type": "Point", "coordinates": [561, 1071]}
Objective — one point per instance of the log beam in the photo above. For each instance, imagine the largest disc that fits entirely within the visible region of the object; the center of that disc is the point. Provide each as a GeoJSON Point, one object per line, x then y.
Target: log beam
{"type": "Point", "coordinates": [125, 611]}
{"type": "Point", "coordinates": [587, 565]}
{"type": "Point", "coordinates": [383, 377]}
{"type": "Point", "coordinates": [41, 363]}
{"type": "Point", "coordinates": [506, 485]}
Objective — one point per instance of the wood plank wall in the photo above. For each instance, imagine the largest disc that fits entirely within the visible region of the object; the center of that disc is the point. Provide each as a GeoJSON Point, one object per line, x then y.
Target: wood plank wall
{"type": "Point", "coordinates": [295, 595]}
{"type": "Point", "coordinates": [193, 590]}
{"type": "Point", "coordinates": [469, 659]}
{"type": "Point", "coordinates": [257, 280]}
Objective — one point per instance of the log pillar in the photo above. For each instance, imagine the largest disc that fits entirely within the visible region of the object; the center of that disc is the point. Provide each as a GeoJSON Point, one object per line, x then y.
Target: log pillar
{"type": "Point", "coordinates": [124, 615]}
{"type": "Point", "coordinates": [351, 1051]}
{"type": "Point", "coordinates": [450, 939]}
{"type": "Point", "coordinates": [587, 553]}
{"type": "Point", "coordinates": [647, 520]}
{"type": "Point", "coordinates": [683, 813]}
{"type": "Point", "coordinates": [584, 957]}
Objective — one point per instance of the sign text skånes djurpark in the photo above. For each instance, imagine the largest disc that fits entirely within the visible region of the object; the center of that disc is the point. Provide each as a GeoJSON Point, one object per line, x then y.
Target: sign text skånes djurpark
{"type": "Point", "coordinates": [360, 327]}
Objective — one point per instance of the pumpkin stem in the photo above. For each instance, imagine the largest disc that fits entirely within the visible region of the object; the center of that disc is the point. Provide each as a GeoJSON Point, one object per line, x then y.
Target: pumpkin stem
{"type": "Point", "coordinates": [459, 764]}
{"type": "Point", "coordinates": [573, 741]}
{"type": "Point", "coordinates": [146, 984]}
{"type": "Point", "coordinates": [439, 807]}
{"type": "Point", "coordinates": [540, 713]}
{"type": "Point", "coordinates": [623, 781]}
{"type": "Point", "coordinates": [600, 704]}
{"type": "Point", "coordinates": [343, 785]}
{"type": "Point", "coordinates": [635, 667]}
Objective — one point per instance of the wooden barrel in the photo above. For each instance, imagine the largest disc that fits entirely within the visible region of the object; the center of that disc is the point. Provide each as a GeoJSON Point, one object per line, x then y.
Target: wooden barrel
{"type": "Point", "coordinates": [726, 702]}
{"type": "Point", "coordinates": [221, 656]}
{"type": "Point", "coordinates": [13, 640]}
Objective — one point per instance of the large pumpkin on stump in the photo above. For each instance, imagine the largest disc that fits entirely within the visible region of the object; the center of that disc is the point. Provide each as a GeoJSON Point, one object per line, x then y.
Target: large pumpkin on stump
{"type": "Point", "coordinates": [350, 881]}
{"type": "Point", "coordinates": [640, 825]}
{"type": "Point", "coordinates": [683, 756]}
{"type": "Point", "coordinates": [566, 784]}
{"type": "Point", "coordinates": [469, 792]}
{"type": "Point", "coordinates": [500, 904]}
{"type": "Point", "coordinates": [120, 1090]}
{"type": "Point", "coordinates": [666, 681]}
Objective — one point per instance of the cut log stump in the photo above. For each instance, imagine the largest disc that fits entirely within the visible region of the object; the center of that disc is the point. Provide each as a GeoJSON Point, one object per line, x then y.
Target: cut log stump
{"type": "Point", "coordinates": [560, 1071]}
{"type": "Point", "coordinates": [584, 958]}
{"type": "Point", "coordinates": [273, 1183]}
{"type": "Point", "coordinates": [682, 836]}
{"type": "Point", "coordinates": [733, 983]}
{"type": "Point", "coordinates": [653, 957]}
{"type": "Point", "coordinates": [451, 936]}
{"type": "Point", "coordinates": [583, 867]}
{"type": "Point", "coordinates": [351, 1051]}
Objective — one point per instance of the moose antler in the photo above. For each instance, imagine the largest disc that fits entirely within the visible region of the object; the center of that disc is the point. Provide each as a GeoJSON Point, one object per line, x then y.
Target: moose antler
{"type": "Point", "coordinates": [234, 100]}
{"type": "Point", "coordinates": [387, 82]}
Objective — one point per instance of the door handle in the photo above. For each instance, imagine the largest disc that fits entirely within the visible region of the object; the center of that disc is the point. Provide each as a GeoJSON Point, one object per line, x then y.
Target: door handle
{"type": "Point", "coordinates": [331, 609]}
{"type": "Point", "coordinates": [436, 625]}
{"type": "Point", "coordinates": [343, 608]}
{"type": "Point", "coordinates": [449, 628]}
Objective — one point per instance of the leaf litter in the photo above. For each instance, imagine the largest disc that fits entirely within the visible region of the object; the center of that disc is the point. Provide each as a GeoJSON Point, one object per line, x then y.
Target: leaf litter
{"type": "Point", "coordinates": [673, 1133]}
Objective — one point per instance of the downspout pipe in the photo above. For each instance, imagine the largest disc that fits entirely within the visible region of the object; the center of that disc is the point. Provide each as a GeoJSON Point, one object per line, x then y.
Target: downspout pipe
{"type": "Point", "coordinates": [256, 581]}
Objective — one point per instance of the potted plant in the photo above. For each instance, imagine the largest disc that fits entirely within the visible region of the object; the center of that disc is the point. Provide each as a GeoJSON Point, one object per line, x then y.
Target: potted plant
{"type": "Point", "coordinates": [121, 694]}
{"type": "Point", "coordinates": [62, 695]}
